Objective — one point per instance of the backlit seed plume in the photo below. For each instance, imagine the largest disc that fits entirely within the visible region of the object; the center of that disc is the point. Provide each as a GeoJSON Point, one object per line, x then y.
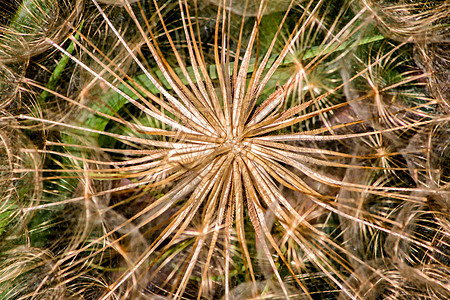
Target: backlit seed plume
{"type": "Point", "coordinates": [209, 159]}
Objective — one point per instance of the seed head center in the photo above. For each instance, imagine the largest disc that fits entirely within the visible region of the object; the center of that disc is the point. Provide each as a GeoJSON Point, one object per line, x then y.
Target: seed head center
{"type": "Point", "coordinates": [236, 145]}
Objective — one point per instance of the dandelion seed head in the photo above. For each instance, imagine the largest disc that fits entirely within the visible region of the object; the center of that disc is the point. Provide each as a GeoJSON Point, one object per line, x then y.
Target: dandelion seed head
{"type": "Point", "coordinates": [233, 171]}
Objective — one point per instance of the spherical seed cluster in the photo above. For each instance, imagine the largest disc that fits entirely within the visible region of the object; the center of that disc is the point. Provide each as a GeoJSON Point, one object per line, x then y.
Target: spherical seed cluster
{"type": "Point", "coordinates": [226, 149]}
